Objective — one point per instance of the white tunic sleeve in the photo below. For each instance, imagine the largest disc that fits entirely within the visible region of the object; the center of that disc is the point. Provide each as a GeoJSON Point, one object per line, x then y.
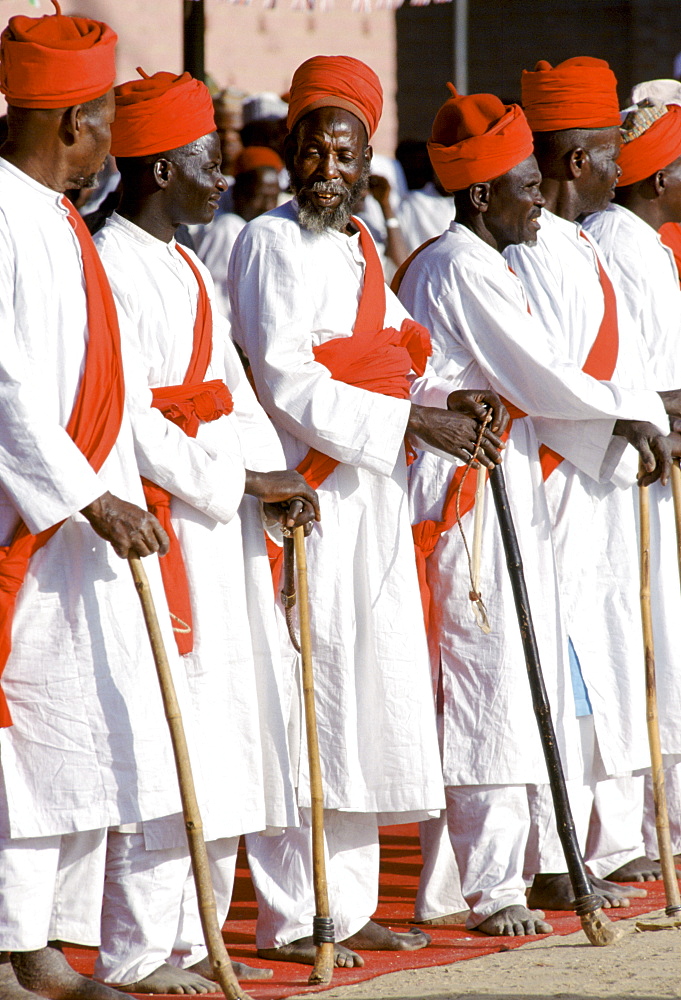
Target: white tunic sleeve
{"type": "Point", "coordinates": [273, 315]}
{"type": "Point", "coordinates": [46, 477]}
{"type": "Point", "coordinates": [207, 472]}
{"type": "Point", "coordinates": [485, 316]}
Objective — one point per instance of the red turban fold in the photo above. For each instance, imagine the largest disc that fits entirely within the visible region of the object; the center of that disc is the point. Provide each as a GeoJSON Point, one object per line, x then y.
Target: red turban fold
{"type": "Point", "coordinates": [252, 157]}
{"type": "Point", "coordinates": [578, 93]}
{"type": "Point", "coordinates": [336, 82]}
{"type": "Point", "coordinates": [56, 61]}
{"type": "Point", "coordinates": [160, 112]}
{"type": "Point", "coordinates": [652, 150]}
{"type": "Point", "coordinates": [477, 138]}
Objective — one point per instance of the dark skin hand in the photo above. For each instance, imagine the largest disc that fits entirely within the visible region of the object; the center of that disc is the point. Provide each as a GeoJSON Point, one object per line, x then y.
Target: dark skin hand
{"type": "Point", "coordinates": [287, 498]}
{"type": "Point", "coordinates": [456, 429]}
{"type": "Point", "coordinates": [129, 529]}
{"type": "Point", "coordinates": [656, 450]}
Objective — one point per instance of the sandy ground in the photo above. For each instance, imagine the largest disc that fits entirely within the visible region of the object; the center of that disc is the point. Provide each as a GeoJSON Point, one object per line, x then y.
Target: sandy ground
{"type": "Point", "coordinates": [643, 965]}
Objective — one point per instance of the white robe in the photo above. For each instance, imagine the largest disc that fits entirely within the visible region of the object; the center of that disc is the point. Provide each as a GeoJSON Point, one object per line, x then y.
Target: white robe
{"type": "Point", "coordinates": [424, 214]}
{"type": "Point", "coordinates": [240, 739]}
{"type": "Point", "coordinates": [215, 249]}
{"type": "Point", "coordinates": [593, 526]}
{"type": "Point", "coordinates": [291, 290]}
{"type": "Point", "coordinates": [647, 281]}
{"type": "Point", "coordinates": [89, 747]}
{"type": "Point", "coordinates": [482, 334]}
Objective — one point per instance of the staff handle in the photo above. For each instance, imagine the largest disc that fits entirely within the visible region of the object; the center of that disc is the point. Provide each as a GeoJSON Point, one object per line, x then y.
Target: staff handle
{"type": "Point", "coordinates": [323, 924]}
{"type": "Point", "coordinates": [219, 959]}
{"type": "Point", "coordinates": [671, 884]}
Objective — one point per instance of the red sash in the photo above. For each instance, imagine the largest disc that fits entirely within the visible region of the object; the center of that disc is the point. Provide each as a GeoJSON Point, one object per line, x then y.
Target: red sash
{"type": "Point", "coordinates": [600, 364]}
{"type": "Point", "coordinates": [93, 426]}
{"type": "Point", "coordinates": [670, 234]}
{"type": "Point", "coordinates": [187, 405]}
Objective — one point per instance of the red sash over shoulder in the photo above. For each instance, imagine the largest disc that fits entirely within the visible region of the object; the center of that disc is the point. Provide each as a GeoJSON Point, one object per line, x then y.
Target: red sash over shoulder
{"type": "Point", "coordinates": [187, 405]}
{"type": "Point", "coordinates": [374, 358]}
{"type": "Point", "coordinates": [93, 426]}
{"type": "Point", "coordinates": [600, 364]}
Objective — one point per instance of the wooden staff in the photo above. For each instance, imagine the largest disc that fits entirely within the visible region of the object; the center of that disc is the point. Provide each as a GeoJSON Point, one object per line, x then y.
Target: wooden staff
{"type": "Point", "coordinates": [599, 930]}
{"type": "Point", "coordinates": [322, 926]}
{"type": "Point", "coordinates": [671, 884]}
{"type": "Point", "coordinates": [212, 932]}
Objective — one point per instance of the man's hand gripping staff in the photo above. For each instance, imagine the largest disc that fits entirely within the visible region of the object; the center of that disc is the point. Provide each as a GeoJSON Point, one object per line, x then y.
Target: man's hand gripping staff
{"type": "Point", "coordinates": [456, 429]}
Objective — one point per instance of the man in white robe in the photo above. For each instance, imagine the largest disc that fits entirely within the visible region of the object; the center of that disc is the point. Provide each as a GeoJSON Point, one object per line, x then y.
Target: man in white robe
{"type": "Point", "coordinates": [461, 287]}
{"type": "Point", "coordinates": [645, 275]}
{"type": "Point", "coordinates": [152, 940]}
{"type": "Point", "coordinates": [574, 113]}
{"type": "Point", "coordinates": [297, 276]}
{"type": "Point", "coordinates": [88, 744]}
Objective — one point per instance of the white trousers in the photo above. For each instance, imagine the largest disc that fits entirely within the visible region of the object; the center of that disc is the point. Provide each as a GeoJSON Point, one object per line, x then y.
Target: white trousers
{"type": "Point", "coordinates": [672, 781]}
{"type": "Point", "coordinates": [488, 828]}
{"type": "Point", "coordinates": [281, 868]}
{"type": "Point", "coordinates": [439, 892]}
{"type": "Point", "coordinates": [607, 813]}
{"type": "Point", "coordinates": [150, 913]}
{"type": "Point", "coordinates": [51, 890]}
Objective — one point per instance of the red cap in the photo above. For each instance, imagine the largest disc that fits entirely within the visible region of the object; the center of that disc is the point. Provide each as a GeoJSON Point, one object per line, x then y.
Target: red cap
{"type": "Point", "coordinates": [652, 149]}
{"type": "Point", "coordinates": [56, 61]}
{"type": "Point", "coordinates": [336, 82]}
{"type": "Point", "coordinates": [476, 138]}
{"type": "Point", "coordinates": [578, 93]}
{"type": "Point", "coordinates": [252, 157]}
{"type": "Point", "coordinates": [160, 112]}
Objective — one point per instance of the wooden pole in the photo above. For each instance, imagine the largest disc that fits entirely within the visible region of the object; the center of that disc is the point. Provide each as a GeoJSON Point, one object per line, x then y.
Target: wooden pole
{"type": "Point", "coordinates": [323, 933]}
{"type": "Point", "coordinates": [194, 38]}
{"type": "Point", "coordinates": [219, 959]}
{"type": "Point", "coordinates": [599, 930]}
{"type": "Point", "coordinates": [671, 883]}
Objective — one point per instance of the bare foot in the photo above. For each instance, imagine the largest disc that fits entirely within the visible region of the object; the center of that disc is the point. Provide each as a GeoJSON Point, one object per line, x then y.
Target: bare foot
{"type": "Point", "coordinates": [170, 979]}
{"type": "Point", "coordinates": [9, 984]}
{"type": "Point", "coordinates": [241, 970]}
{"type": "Point", "coordinates": [304, 951]}
{"type": "Point", "coordinates": [554, 892]}
{"type": "Point", "coordinates": [447, 918]}
{"type": "Point", "coordinates": [639, 870]}
{"type": "Point", "coordinates": [375, 937]}
{"type": "Point", "coordinates": [515, 921]}
{"type": "Point", "coordinates": [47, 973]}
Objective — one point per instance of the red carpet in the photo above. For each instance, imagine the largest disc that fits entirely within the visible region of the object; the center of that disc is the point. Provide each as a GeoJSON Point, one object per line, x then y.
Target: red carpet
{"type": "Point", "coordinates": [400, 866]}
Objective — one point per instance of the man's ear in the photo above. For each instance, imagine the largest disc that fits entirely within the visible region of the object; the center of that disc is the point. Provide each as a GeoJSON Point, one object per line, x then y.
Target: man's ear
{"type": "Point", "coordinates": [479, 196]}
{"type": "Point", "coordinates": [659, 182]}
{"type": "Point", "coordinates": [71, 125]}
{"type": "Point", "coordinates": [576, 161]}
{"type": "Point", "coordinates": [163, 171]}
{"type": "Point", "coordinates": [369, 154]}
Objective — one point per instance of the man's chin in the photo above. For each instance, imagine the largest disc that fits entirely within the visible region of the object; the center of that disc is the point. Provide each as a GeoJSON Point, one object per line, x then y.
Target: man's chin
{"type": "Point", "coordinates": [319, 220]}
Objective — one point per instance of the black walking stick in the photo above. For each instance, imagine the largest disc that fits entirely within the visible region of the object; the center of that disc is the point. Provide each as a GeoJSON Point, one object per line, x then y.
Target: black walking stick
{"type": "Point", "coordinates": [597, 927]}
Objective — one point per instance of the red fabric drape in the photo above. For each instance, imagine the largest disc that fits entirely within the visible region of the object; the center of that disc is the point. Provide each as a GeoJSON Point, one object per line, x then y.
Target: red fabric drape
{"type": "Point", "coordinates": [374, 358]}
{"type": "Point", "coordinates": [187, 405]}
{"type": "Point", "coordinates": [94, 425]}
{"type": "Point", "coordinates": [600, 364]}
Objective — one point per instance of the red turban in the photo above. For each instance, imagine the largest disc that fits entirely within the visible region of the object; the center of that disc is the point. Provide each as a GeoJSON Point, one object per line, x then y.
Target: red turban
{"type": "Point", "coordinates": [652, 149]}
{"type": "Point", "coordinates": [56, 61]}
{"type": "Point", "coordinates": [252, 157]}
{"type": "Point", "coordinates": [578, 93]}
{"type": "Point", "coordinates": [160, 112]}
{"type": "Point", "coordinates": [476, 139]}
{"type": "Point", "coordinates": [336, 82]}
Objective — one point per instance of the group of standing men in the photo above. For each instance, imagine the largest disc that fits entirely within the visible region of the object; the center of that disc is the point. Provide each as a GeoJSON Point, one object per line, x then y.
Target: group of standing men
{"type": "Point", "coordinates": [130, 427]}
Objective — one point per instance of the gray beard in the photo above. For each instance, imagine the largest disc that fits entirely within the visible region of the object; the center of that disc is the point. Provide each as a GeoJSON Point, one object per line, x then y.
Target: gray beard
{"type": "Point", "coordinates": [319, 221]}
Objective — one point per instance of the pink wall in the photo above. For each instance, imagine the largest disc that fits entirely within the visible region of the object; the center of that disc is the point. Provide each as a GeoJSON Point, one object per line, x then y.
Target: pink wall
{"type": "Point", "coordinates": [246, 46]}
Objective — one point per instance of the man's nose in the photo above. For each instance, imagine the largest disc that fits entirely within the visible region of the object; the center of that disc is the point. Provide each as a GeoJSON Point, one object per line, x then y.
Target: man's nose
{"type": "Point", "coordinates": [328, 166]}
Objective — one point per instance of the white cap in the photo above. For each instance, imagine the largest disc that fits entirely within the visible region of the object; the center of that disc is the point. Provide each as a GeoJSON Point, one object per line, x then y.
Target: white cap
{"type": "Point", "coordinates": [267, 106]}
{"type": "Point", "coordinates": [657, 91]}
